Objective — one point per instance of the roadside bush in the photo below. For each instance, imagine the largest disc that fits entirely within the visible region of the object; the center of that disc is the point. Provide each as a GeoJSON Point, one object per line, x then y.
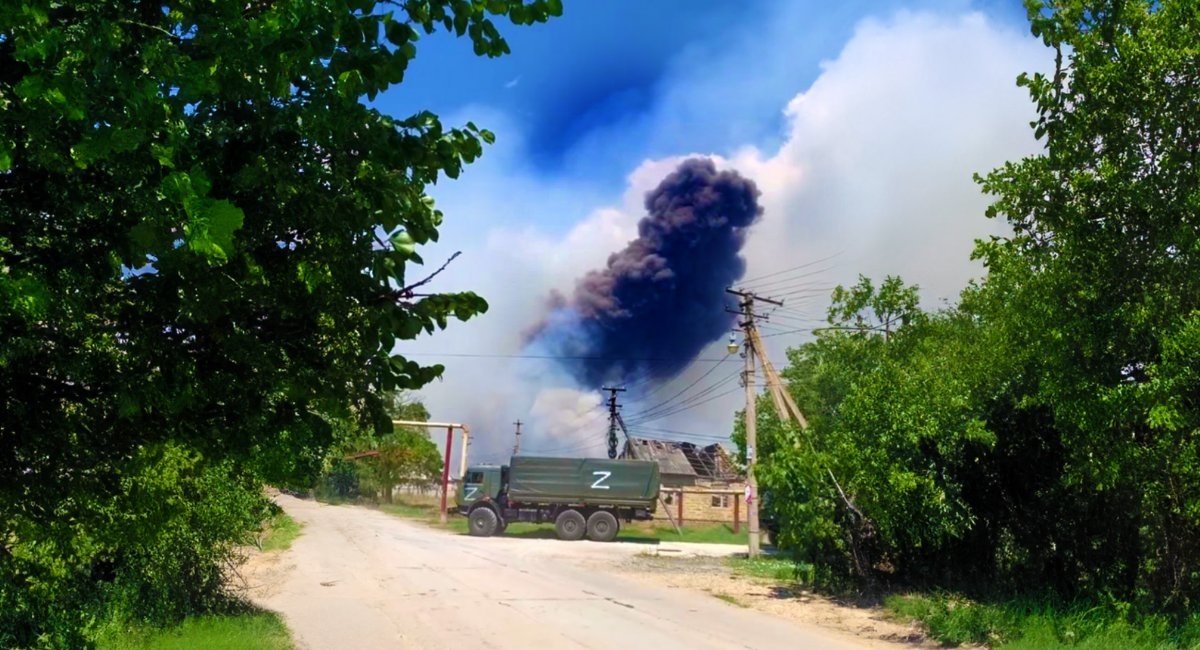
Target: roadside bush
{"type": "Point", "coordinates": [180, 533]}
{"type": "Point", "coordinates": [158, 551]}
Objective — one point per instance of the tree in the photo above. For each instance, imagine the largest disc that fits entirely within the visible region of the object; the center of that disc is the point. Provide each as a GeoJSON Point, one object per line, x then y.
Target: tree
{"type": "Point", "coordinates": [868, 309]}
{"type": "Point", "coordinates": [1102, 280]}
{"type": "Point", "coordinates": [206, 241]}
{"type": "Point", "coordinates": [404, 456]}
{"type": "Point", "coordinates": [1043, 433]}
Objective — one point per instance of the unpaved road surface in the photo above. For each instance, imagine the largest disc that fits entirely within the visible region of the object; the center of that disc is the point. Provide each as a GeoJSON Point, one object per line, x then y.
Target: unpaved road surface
{"type": "Point", "coordinates": [358, 578]}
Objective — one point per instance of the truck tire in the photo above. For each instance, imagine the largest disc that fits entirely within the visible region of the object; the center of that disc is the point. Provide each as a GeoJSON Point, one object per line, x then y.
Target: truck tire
{"type": "Point", "coordinates": [483, 522]}
{"type": "Point", "coordinates": [570, 526]}
{"type": "Point", "coordinates": [602, 526]}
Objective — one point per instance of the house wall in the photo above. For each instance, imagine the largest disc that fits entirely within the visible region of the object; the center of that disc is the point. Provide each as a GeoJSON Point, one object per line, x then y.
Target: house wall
{"type": "Point", "coordinates": [707, 504]}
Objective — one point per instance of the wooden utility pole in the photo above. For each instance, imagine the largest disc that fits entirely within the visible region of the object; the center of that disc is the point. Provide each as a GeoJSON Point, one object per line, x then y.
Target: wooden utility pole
{"type": "Point", "coordinates": [613, 417]}
{"type": "Point", "coordinates": [750, 334]}
{"type": "Point", "coordinates": [517, 444]}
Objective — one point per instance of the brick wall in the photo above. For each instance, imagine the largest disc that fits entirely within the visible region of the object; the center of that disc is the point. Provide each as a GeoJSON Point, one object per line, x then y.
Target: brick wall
{"type": "Point", "coordinates": [704, 504]}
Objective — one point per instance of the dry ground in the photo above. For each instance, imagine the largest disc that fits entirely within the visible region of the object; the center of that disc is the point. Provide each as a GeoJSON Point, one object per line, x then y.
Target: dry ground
{"type": "Point", "coordinates": [714, 576]}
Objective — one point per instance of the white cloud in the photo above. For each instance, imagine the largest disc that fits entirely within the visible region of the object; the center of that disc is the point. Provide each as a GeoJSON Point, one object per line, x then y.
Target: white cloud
{"type": "Point", "coordinates": [876, 165]}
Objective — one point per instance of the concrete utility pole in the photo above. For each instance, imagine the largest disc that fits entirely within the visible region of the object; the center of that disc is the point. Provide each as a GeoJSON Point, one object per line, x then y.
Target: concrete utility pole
{"type": "Point", "coordinates": [750, 333]}
{"type": "Point", "coordinates": [612, 419]}
{"type": "Point", "coordinates": [517, 444]}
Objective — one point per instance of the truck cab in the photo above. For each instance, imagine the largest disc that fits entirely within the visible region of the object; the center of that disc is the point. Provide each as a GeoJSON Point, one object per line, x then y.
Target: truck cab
{"type": "Point", "coordinates": [479, 483]}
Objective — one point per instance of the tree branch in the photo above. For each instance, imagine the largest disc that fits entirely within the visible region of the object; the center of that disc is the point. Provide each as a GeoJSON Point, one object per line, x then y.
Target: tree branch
{"type": "Point", "coordinates": [407, 292]}
{"type": "Point", "coordinates": [156, 28]}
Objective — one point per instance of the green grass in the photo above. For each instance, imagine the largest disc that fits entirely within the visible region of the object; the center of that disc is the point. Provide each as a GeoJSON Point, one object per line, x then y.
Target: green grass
{"type": "Point", "coordinates": [251, 631]}
{"type": "Point", "coordinates": [1036, 624]}
{"type": "Point", "coordinates": [729, 599]}
{"type": "Point", "coordinates": [410, 510]}
{"type": "Point", "coordinates": [697, 533]}
{"type": "Point", "coordinates": [777, 569]}
{"type": "Point", "coordinates": [279, 533]}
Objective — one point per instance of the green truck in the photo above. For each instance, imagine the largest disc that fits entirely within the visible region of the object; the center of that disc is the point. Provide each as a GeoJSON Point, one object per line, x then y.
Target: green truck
{"type": "Point", "coordinates": [582, 496]}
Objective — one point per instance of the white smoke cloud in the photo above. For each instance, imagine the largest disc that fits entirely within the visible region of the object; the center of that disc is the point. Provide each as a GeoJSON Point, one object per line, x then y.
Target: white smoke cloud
{"type": "Point", "coordinates": [559, 415]}
{"type": "Point", "coordinates": [876, 167]}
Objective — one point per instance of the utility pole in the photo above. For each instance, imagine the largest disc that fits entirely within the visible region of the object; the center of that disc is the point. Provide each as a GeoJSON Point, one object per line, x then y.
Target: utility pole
{"type": "Point", "coordinates": [612, 419]}
{"type": "Point", "coordinates": [749, 331]}
{"type": "Point", "coordinates": [517, 444]}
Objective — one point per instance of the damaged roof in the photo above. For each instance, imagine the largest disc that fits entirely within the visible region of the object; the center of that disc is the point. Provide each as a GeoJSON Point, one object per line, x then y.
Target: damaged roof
{"type": "Point", "coordinates": [684, 458]}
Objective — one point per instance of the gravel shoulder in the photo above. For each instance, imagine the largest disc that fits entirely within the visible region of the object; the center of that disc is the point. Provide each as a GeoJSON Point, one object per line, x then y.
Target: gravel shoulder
{"type": "Point", "coordinates": [714, 576]}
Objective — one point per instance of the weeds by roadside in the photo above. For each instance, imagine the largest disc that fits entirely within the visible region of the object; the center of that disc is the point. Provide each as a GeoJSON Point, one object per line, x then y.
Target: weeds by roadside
{"type": "Point", "coordinates": [250, 631]}
{"type": "Point", "coordinates": [1015, 623]}
{"type": "Point", "coordinates": [1023, 623]}
{"type": "Point", "coordinates": [729, 599]}
{"type": "Point", "coordinates": [279, 532]}
{"type": "Point", "coordinates": [773, 568]}
{"type": "Point", "coordinates": [238, 625]}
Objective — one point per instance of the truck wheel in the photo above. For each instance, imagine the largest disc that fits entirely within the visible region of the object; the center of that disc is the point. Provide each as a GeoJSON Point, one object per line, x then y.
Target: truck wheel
{"type": "Point", "coordinates": [570, 526]}
{"type": "Point", "coordinates": [602, 526]}
{"type": "Point", "coordinates": [483, 522]}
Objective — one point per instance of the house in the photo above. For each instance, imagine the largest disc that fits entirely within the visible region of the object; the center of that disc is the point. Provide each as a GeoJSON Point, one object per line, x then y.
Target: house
{"type": "Point", "coordinates": [698, 483]}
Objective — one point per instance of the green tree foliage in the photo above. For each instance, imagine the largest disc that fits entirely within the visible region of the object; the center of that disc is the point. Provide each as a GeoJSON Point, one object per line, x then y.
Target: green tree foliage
{"type": "Point", "coordinates": [1102, 278]}
{"type": "Point", "coordinates": [376, 463]}
{"type": "Point", "coordinates": [206, 245]}
{"type": "Point", "coordinates": [1042, 432]}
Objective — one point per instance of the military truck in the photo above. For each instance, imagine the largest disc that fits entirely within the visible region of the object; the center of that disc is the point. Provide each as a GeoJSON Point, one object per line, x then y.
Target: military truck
{"type": "Point", "coordinates": [582, 496]}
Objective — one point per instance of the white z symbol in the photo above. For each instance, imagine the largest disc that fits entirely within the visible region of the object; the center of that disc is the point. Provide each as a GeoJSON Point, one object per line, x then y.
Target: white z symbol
{"type": "Point", "coordinates": [471, 491]}
{"type": "Point", "coordinates": [603, 477]}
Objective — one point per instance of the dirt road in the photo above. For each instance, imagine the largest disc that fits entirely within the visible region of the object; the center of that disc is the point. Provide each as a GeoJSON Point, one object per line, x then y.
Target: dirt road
{"type": "Point", "coordinates": [357, 578]}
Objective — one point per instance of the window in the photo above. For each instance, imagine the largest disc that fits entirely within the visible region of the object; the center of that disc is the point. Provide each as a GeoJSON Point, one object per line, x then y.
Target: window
{"type": "Point", "coordinates": [720, 500]}
{"type": "Point", "coordinates": [474, 477]}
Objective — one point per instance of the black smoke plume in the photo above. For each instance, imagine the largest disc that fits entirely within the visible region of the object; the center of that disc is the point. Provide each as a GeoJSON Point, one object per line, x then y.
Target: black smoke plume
{"type": "Point", "coordinates": [662, 299]}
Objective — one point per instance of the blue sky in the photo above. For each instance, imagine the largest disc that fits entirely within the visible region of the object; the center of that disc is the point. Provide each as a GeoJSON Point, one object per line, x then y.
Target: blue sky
{"type": "Point", "coordinates": [861, 122]}
{"type": "Point", "coordinates": [603, 65]}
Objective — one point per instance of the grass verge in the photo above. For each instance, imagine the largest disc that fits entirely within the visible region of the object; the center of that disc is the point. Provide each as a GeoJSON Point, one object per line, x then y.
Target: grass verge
{"type": "Point", "coordinates": [1032, 623]}
{"type": "Point", "coordinates": [1018, 623]}
{"type": "Point", "coordinates": [279, 533]}
{"type": "Point", "coordinates": [250, 631]}
{"type": "Point", "coordinates": [777, 569]}
{"type": "Point", "coordinates": [645, 532]}
{"type": "Point", "coordinates": [729, 599]}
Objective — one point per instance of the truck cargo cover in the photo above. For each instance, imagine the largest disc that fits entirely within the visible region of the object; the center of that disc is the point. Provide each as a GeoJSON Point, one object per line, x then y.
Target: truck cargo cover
{"type": "Point", "coordinates": [587, 481]}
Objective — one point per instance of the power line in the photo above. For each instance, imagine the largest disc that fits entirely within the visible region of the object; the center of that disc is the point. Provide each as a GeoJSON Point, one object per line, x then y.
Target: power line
{"type": "Point", "coordinates": [684, 390]}
{"type": "Point", "coordinates": [807, 293]}
{"type": "Point", "coordinates": [553, 357]}
{"type": "Point", "coordinates": [666, 406]}
{"type": "Point", "coordinates": [703, 436]}
{"type": "Point", "coordinates": [807, 329]}
{"type": "Point", "coordinates": [685, 406]}
{"type": "Point", "coordinates": [788, 318]}
{"type": "Point", "coordinates": [786, 283]}
{"type": "Point", "coordinates": [794, 268]}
